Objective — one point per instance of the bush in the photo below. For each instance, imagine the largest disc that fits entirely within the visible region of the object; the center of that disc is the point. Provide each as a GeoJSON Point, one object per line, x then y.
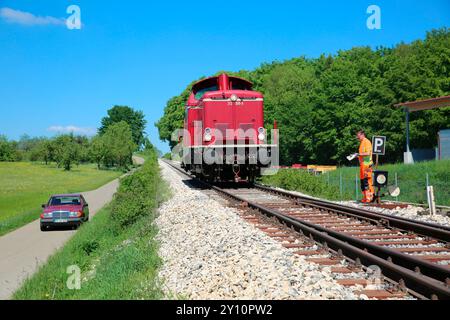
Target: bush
{"type": "Point", "coordinates": [302, 181]}
{"type": "Point", "coordinates": [89, 246]}
{"type": "Point", "coordinates": [133, 199]}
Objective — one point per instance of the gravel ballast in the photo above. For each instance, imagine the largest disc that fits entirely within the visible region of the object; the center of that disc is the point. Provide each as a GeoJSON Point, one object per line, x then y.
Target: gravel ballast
{"type": "Point", "coordinates": [209, 252]}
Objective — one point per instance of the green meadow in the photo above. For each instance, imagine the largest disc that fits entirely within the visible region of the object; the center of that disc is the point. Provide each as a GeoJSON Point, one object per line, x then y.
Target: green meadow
{"type": "Point", "coordinates": [116, 252]}
{"type": "Point", "coordinates": [25, 186]}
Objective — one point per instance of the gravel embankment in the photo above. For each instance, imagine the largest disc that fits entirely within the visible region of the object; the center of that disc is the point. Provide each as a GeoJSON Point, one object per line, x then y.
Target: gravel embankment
{"type": "Point", "coordinates": [209, 252]}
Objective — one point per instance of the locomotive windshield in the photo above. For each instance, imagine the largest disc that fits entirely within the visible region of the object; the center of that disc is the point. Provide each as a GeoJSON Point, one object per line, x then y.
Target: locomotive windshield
{"type": "Point", "coordinates": [222, 82]}
{"type": "Point", "coordinates": [239, 84]}
{"type": "Point", "coordinates": [199, 94]}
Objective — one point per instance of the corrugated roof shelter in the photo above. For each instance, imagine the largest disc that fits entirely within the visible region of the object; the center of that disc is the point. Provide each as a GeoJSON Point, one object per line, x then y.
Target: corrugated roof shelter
{"type": "Point", "coordinates": [413, 106]}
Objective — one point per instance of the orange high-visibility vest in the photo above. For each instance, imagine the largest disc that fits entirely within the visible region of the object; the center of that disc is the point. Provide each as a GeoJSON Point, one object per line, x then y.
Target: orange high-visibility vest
{"type": "Point", "coordinates": [364, 147]}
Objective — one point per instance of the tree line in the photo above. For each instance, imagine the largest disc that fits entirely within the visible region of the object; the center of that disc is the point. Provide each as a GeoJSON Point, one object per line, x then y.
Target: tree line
{"type": "Point", "coordinates": [121, 134]}
{"type": "Point", "coordinates": [319, 103]}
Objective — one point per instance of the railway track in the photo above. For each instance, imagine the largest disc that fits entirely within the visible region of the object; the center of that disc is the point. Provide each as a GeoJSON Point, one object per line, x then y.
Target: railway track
{"type": "Point", "coordinates": [440, 209]}
{"type": "Point", "coordinates": [412, 254]}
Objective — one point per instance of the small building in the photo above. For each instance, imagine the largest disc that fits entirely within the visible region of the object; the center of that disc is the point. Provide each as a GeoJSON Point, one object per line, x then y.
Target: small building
{"type": "Point", "coordinates": [420, 105]}
{"type": "Point", "coordinates": [317, 169]}
{"type": "Point", "coordinates": [444, 145]}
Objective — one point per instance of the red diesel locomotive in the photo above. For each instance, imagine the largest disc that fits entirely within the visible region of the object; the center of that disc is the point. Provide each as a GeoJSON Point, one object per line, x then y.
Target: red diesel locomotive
{"type": "Point", "coordinates": [224, 138]}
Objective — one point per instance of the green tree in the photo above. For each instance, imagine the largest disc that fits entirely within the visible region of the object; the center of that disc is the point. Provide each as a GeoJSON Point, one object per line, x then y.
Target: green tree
{"type": "Point", "coordinates": [67, 151]}
{"type": "Point", "coordinates": [49, 151]}
{"type": "Point", "coordinates": [135, 119]}
{"type": "Point", "coordinates": [288, 92]}
{"type": "Point", "coordinates": [320, 103]}
{"type": "Point", "coordinates": [8, 150]}
{"type": "Point", "coordinates": [98, 150]}
{"type": "Point", "coordinates": [42, 151]}
{"type": "Point", "coordinates": [173, 117]}
{"type": "Point", "coordinates": [84, 144]}
{"type": "Point", "coordinates": [118, 140]}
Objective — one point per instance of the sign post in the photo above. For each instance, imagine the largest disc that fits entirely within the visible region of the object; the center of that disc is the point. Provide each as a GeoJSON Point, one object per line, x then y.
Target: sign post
{"type": "Point", "coordinates": [379, 147]}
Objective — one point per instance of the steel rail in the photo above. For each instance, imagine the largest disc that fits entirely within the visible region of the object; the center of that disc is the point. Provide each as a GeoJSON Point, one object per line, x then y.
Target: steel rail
{"type": "Point", "coordinates": [422, 205]}
{"type": "Point", "coordinates": [422, 228]}
{"type": "Point", "coordinates": [391, 268]}
{"type": "Point", "coordinates": [429, 282]}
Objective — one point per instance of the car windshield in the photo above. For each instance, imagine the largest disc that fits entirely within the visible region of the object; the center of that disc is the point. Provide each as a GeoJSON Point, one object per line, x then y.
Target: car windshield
{"type": "Point", "coordinates": [64, 201]}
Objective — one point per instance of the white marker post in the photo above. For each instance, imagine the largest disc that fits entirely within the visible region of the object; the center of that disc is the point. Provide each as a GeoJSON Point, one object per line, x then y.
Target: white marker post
{"type": "Point", "coordinates": [430, 197]}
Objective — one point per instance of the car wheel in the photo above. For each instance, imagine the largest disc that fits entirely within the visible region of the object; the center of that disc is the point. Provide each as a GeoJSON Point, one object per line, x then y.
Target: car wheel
{"type": "Point", "coordinates": [44, 228]}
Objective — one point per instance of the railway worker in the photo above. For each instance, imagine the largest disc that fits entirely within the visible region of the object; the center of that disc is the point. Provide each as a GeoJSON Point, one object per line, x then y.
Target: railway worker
{"type": "Point", "coordinates": [365, 166]}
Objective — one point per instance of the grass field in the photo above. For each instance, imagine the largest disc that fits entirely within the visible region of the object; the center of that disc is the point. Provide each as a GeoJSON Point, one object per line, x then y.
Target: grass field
{"type": "Point", "coordinates": [25, 186]}
{"type": "Point", "coordinates": [116, 252]}
{"type": "Point", "coordinates": [113, 266]}
{"type": "Point", "coordinates": [412, 180]}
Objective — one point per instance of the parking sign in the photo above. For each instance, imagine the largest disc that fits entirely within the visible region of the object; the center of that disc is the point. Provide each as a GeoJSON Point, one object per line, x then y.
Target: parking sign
{"type": "Point", "coordinates": [379, 145]}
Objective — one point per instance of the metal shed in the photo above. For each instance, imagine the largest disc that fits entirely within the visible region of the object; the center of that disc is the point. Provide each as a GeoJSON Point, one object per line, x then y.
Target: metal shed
{"type": "Point", "coordinates": [444, 144]}
{"type": "Point", "coordinates": [419, 105]}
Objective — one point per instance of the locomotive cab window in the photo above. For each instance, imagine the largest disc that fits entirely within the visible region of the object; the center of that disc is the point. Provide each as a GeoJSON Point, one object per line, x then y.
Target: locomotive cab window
{"type": "Point", "coordinates": [199, 94]}
{"type": "Point", "coordinates": [238, 84]}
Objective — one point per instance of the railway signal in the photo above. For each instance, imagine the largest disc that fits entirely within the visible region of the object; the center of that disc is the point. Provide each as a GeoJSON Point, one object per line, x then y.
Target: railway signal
{"type": "Point", "coordinates": [381, 178]}
{"type": "Point", "coordinates": [379, 145]}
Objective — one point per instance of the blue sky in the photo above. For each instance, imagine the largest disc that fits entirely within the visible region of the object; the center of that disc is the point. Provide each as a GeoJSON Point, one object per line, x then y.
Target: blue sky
{"type": "Point", "coordinates": [141, 53]}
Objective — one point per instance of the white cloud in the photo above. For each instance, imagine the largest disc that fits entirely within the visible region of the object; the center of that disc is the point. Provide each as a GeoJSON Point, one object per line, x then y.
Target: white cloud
{"type": "Point", "coordinates": [28, 19]}
{"type": "Point", "coordinates": [73, 129]}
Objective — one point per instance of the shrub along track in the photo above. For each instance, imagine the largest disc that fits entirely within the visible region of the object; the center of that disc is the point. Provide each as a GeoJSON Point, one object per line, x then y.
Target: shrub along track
{"type": "Point", "coordinates": [412, 254]}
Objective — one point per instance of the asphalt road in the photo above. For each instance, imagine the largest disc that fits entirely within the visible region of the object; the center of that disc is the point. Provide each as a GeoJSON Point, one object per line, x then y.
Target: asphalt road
{"type": "Point", "coordinates": [24, 250]}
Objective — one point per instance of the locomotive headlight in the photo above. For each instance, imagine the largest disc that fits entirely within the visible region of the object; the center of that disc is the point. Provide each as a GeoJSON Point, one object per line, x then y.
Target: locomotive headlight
{"type": "Point", "coordinates": [234, 98]}
{"type": "Point", "coordinates": [261, 134]}
{"type": "Point", "coordinates": [208, 135]}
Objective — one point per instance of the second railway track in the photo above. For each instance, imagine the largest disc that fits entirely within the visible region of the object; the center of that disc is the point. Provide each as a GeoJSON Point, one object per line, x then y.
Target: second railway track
{"type": "Point", "coordinates": [414, 254]}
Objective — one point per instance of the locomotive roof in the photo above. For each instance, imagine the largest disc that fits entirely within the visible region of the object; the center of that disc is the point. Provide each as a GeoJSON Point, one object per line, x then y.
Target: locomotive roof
{"type": "Point", "coordinates": [209, 79]}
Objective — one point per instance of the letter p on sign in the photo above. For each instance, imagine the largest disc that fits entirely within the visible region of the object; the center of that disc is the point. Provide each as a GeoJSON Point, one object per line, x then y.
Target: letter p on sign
{"type": "Point", "coordinates": [379, 145]}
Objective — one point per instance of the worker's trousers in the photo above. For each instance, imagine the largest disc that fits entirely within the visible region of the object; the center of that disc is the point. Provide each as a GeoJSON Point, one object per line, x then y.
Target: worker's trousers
{"type": "Point", "coordinates": [365, 174]}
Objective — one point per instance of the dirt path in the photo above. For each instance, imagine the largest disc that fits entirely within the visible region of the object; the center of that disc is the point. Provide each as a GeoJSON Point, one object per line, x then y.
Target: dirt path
{"type": "Point", "coordinates": [24, 250]}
